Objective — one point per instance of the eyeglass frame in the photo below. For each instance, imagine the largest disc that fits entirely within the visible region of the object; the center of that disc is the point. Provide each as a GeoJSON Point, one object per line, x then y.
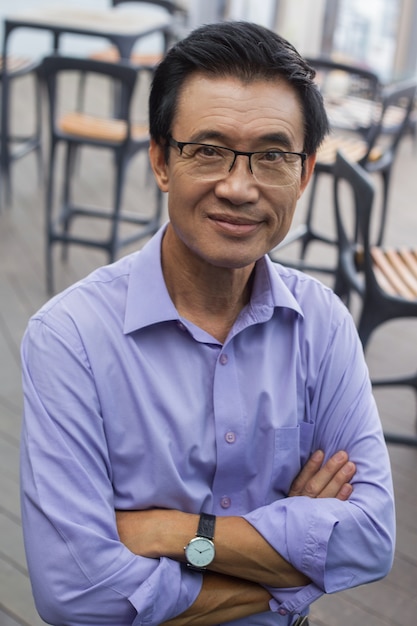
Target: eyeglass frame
{"type": "Point", "coordinates": [181, 144]}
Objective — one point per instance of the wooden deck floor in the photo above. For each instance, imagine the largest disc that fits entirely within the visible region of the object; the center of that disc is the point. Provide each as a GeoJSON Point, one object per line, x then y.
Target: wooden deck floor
{"type": "Point", "coordinates": [386, 603]}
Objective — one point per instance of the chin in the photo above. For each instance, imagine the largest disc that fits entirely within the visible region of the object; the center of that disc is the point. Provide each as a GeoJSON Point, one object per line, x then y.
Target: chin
{"type": "Point", "coordinates": [235, 263]}
{"type": "Point", "coordinates": [230, 255]}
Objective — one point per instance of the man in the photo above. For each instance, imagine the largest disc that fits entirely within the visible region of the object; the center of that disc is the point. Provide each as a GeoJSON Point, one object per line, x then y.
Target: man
{"type": "Point", "coordinates": [196, 388]}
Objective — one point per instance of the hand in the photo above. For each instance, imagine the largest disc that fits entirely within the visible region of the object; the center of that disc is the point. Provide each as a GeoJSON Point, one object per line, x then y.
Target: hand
{"type": "Point", "coordinates": [331, 480]}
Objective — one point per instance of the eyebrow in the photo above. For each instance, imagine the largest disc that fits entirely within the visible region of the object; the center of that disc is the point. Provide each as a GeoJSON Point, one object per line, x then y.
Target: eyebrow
{"type": "Point", "coordinates": [278, 138]}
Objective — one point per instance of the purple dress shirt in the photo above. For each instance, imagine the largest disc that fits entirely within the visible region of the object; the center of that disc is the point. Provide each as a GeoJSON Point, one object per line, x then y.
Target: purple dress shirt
{"type": "Point", "coordinates": [130, 406]}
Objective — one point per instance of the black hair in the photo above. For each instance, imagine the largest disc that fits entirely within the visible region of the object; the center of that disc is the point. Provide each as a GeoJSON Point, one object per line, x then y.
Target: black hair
{"type": "Point", "coordinates": [243, 50]}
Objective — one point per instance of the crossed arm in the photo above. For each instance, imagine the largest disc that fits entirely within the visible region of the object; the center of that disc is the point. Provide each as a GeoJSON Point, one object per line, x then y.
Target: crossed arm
{"type": "Point", "coordinates": [245, 561]}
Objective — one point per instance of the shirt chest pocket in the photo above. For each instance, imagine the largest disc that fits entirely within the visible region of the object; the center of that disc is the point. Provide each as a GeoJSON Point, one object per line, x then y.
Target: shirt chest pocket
{"type": "Point", "coordinates": [292, 448]}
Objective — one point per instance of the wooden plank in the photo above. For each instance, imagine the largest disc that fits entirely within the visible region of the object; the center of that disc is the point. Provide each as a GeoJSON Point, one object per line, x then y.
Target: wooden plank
{"type": "Point", "coordinates": [16, 597]}
{"type": "Point", "coordinates": [11, 542]}
{"type": "Point", "coordinates": [410, 259]}
{"type": "Point", "coordinates": [9, 460]}
{"type": "Point", "coordinates": [397, 262]}
{"type": "Point", "coordinates": [352, 147]}
{"type": "Point", "coordinates": [8, 620]}
{"type": "Point", "coordinates": [383, 264]}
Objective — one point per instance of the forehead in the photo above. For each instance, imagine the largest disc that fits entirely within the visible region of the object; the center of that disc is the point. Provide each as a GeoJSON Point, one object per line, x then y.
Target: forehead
{"type": "Point", "coordinates": [238, 112]}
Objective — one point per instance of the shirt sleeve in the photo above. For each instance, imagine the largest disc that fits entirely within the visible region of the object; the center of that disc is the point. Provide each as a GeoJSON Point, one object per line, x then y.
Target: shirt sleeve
{"type": "Point", "coordinates": [80, 571]}
{"type": "Point", "coordinates": [337, 544]}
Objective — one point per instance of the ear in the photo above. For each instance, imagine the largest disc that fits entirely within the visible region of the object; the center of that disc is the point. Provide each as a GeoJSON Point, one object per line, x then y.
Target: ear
{"type": "Point", "coordinates": [308, 170]}
{"type": "Point", "coordinates": [159, 165]}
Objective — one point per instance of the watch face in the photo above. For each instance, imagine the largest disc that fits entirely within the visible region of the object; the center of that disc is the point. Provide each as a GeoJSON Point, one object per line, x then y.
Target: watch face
{"type": "Point", "coordinates": [200, 552]}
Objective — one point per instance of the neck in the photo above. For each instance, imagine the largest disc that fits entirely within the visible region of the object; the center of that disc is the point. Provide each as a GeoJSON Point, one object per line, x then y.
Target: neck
{"type": "Point", "coordinates": [209, 296]}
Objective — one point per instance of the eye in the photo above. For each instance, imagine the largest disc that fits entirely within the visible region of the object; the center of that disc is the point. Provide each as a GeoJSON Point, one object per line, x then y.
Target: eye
{"type": "Point", "coordinates": [273, 156]}
{"type": "Point", "coordinates": [206, 151]}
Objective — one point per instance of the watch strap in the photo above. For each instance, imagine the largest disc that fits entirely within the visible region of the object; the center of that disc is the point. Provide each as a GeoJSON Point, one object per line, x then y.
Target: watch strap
{"type": "Point", "coordinates": [206, 526]}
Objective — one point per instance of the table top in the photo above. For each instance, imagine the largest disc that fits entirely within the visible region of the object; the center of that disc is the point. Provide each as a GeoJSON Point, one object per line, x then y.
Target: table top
{"type": "Point", "coordinates": [90, 21]}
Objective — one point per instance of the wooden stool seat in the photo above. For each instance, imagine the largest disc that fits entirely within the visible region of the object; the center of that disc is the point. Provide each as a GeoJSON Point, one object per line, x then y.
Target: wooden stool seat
{"type": "Point", "coordinates": [396, 271]}
{"type": "Point", "coordinates": [16, 64]}
{"type": "Point", "coordinates": [353, 148]}
{"type": "Point", "coordinates": [100, 129]}
{"type": "Point", "coordinates": [111, 55]}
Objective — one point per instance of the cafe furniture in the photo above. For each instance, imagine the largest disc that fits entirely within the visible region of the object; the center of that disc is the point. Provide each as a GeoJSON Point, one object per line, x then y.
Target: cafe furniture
{"type": "Point", "coordinates": [122, 28]}
{"type": "Point", "coordinates": [384, 277]}
{"type": "Point", "coordinates": [69, 220]}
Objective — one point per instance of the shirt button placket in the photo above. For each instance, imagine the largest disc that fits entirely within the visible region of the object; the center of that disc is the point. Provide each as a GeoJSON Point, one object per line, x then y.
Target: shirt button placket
{"type": "Point", "coordinates": [228, 420]}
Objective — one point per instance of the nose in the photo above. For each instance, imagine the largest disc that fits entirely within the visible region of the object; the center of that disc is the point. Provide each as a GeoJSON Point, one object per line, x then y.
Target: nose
{"type": "Point", "coordinates": [239, 185]}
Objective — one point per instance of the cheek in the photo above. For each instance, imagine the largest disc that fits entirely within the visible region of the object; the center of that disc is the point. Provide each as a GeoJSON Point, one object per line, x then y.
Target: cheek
{"type": "Point", "coordinates": [286, 203]}
{"type": "Point", "coordinates": [186, 195]}
{"type": "Point", "coordinates": [284, 209]}
{"type": "Point", "coordinates": [178, 195]}
{"type": "Point", "coordinates": [183, 207]}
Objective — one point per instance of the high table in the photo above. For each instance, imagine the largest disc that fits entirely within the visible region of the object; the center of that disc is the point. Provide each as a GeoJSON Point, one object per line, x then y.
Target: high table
{"type": "Point", "coordinates": [123, 28]}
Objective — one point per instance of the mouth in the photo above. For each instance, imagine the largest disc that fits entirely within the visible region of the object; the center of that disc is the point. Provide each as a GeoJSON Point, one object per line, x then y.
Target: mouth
{"type": "Point", "coordinates": [235, 225]}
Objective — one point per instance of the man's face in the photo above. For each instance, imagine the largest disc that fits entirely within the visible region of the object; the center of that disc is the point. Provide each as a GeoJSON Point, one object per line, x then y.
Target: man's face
{"type": "Point", "coordinates": [233, 221]}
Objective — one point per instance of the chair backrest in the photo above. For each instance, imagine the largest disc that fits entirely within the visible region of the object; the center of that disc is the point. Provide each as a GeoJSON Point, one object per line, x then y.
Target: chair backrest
{"type": "Point", "coordinates": [397, 103]}
{"type": "Point", "coordinates": [168, 5]}
{"type": "Point", "coordinates": [353, 220]}
{"type": "Point", "coordinates": [337, 78]}
{"type": "Point", "coordinates": [123, 75]}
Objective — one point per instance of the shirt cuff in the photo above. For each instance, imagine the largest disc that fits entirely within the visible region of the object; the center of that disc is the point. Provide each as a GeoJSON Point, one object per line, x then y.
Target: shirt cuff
{"type": "Point", "coordinates": [169, 591]}
{"type": "Point", "coordinates": [299, 531]}
{"type": "Point", "coordinates": [293, 601]}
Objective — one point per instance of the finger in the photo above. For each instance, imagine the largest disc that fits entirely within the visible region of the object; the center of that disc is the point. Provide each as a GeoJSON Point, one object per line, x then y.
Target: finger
{"type": "Point", "coordinates": [327, 473]}
{"type": "Point", "coordinates": [309, 470]}
{"type": "Point", "coordinates": [316, 483]}
{"type": "Point", "coordinates": [345, 492]}
{"type": "Point", "coordinates": [339, 486]}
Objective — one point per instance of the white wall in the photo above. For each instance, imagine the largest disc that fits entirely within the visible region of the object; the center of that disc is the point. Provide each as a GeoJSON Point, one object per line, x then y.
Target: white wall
{"type": "Point", "coordinates": [301, 22]}
{"type": "Point", "coordinates": [254, 11]}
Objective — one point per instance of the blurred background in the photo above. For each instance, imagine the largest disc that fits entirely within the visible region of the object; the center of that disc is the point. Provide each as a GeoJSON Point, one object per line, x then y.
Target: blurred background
{"type": "Point", "coordinates": [376, 34]}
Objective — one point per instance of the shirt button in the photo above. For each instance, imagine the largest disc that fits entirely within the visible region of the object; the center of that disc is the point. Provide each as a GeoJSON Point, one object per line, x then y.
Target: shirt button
{"type": "Point", "coordinates": [225, 502]}
{"type": "Point", "coordinates": [223, 359]}
{"type": "Point", "coordinates": [181, 326]}
{"type": "Point", "coordinates": [282, 612]}
{"type": "Point", "coordinates": [230, 437]}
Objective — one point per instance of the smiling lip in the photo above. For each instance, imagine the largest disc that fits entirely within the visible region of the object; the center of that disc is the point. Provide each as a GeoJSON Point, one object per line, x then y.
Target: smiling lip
{"type": "Point", "coordinates": [235, 226]}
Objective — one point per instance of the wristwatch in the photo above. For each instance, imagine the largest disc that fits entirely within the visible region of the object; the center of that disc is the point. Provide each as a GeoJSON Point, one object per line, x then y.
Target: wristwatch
{"type": "Point", "coordinates": [200, 551]}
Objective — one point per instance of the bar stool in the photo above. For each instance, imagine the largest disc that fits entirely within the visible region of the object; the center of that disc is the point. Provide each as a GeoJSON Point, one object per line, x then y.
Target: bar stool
{"type": "Point", "coordinates": [14, 146]}
{"type": "Point", "coordinates": [375, 151]}
{"type": "Point", "coordinates": [120, 136]}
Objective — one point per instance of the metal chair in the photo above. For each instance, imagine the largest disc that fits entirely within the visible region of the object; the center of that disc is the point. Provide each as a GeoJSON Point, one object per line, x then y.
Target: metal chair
{"type": "Point", "coordinates": [174, 9]}
{"type": "Point", "coordinates": [74, 130]}
{"type": "Point", "coordinates": [374, 147]}
{"type": "Point", "coordinates": [338, 80]}
{"type": "Point", "coordinates": [384, 278]}
{"type": "Point", "coordinates": [16, 145]}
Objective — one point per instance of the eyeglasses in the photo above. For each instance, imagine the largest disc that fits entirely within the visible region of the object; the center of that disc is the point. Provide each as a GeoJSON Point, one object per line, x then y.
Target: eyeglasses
{"type": "Point", "coordinates": [273, 168]}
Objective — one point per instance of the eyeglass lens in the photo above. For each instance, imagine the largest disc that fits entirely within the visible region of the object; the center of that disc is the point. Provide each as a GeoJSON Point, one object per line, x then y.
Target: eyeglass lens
{"type": "Point", "coordinates": [268, 168]}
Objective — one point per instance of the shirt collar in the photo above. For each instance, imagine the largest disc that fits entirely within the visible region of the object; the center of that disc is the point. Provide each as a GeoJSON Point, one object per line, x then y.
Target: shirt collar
{"type": "Point", "coordinates": [271, 287]}
{"type": "Point", "coordinates": [148, 301]}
